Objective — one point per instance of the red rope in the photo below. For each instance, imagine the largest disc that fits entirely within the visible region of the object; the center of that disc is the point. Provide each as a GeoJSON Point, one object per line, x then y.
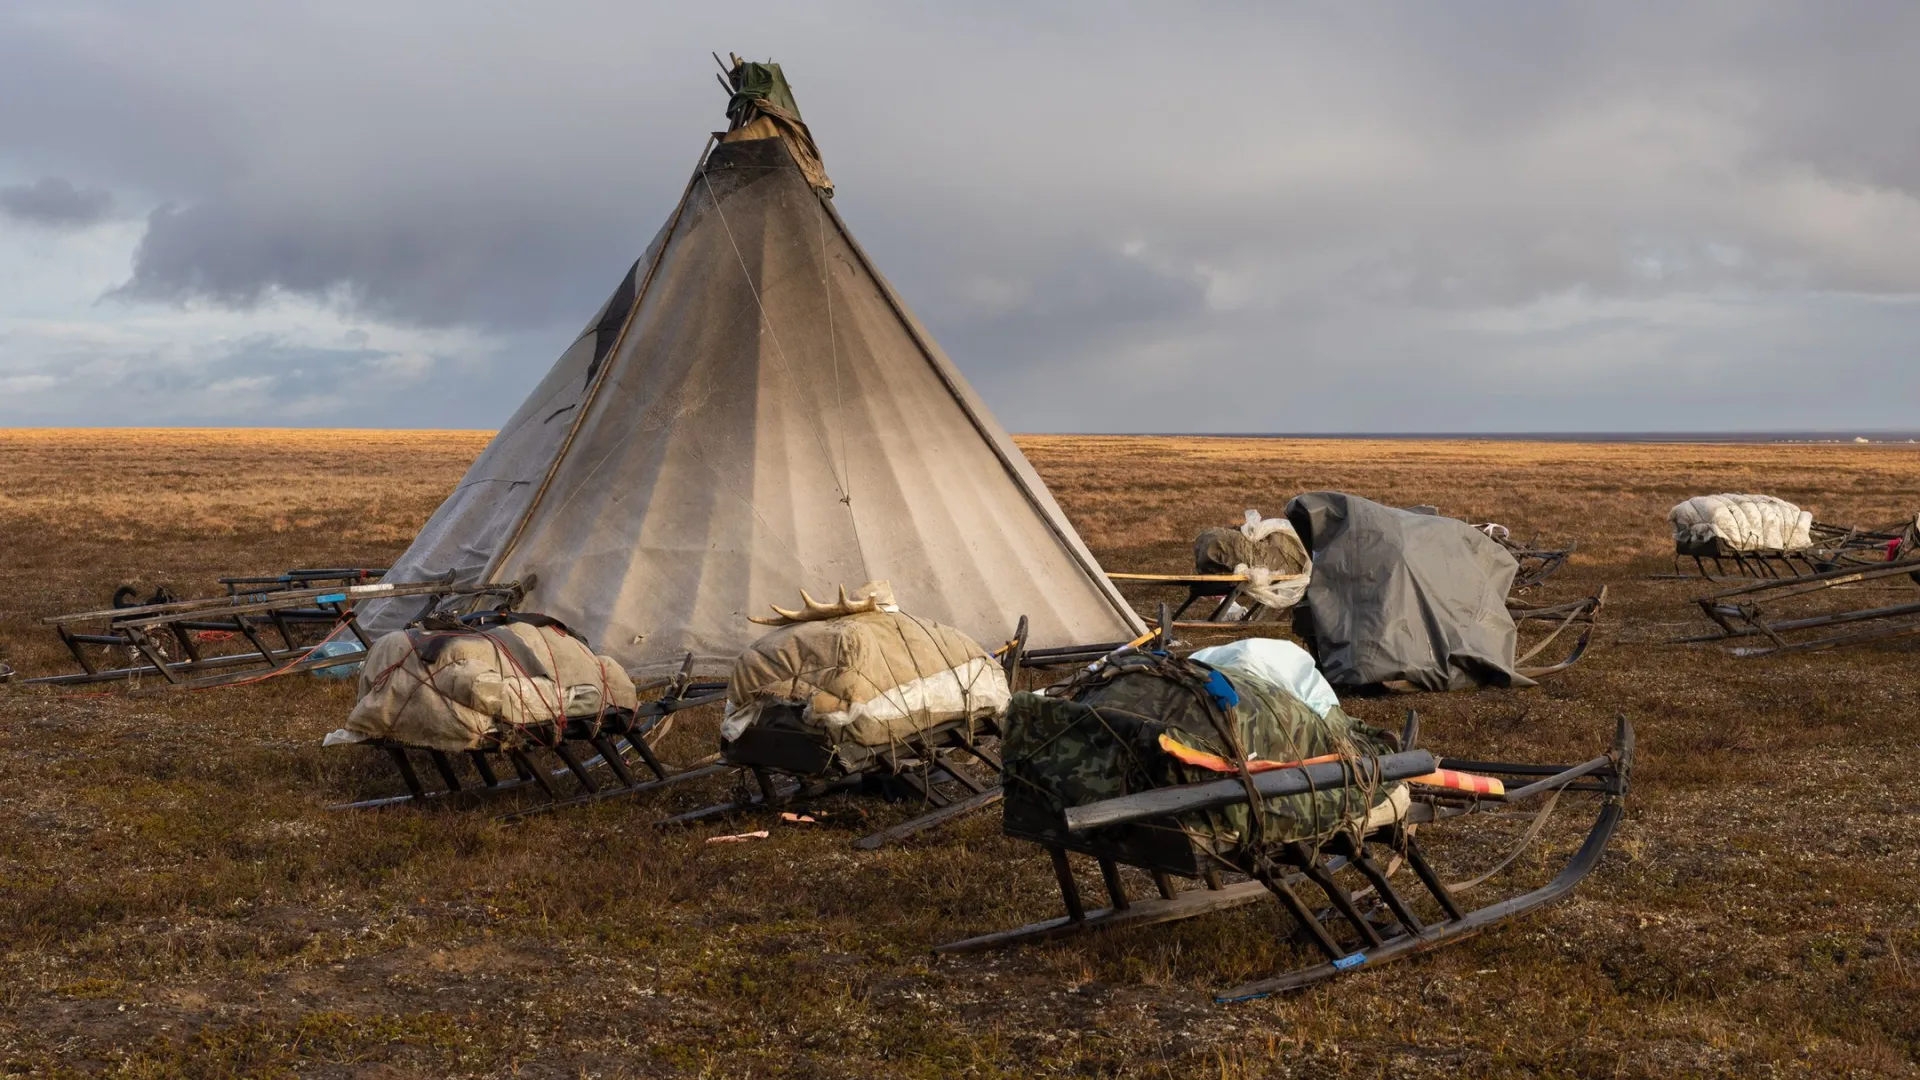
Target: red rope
{"type": "Point", "coordinates": [344, 622]}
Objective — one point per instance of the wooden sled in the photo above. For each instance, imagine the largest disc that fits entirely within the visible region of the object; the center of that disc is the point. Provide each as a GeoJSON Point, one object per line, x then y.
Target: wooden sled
{"type": "Point", "coordinates": [229, 638]}
{"type": "Point", "coordinates": [952, 769]}
{"type": "Point", "coordinates": [1833, 547]}
{"type": "Point", "coordinates": [926, 768]}
{"type": "Point", "coordinates": [1537, 563]}
{"type": "Point", "coordinates": [600, 757]}
{"type": "Point", "coordinates": [1221, 589]}
{"type": "Point", "coordinates": [1369, 921]}
{"type": "Point", "coordinates": [1753, 611]}
{"type": "Point", "coordinates": [1583, 613]}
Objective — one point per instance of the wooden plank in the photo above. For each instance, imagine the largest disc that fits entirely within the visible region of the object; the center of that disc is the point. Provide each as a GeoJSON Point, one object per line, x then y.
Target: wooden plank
{"type": "Point", "coordinates": [350, 593]}
{"type": "Point", "coordinates": [226, 605]}
{"type": "Point", "coordinates": [929, 820]}
{"type": "Point", "coordinates": [1188, 579]}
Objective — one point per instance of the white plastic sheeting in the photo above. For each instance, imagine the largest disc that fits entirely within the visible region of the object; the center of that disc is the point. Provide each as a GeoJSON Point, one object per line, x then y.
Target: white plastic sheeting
{"type": "Point", "coordinates": [1741, 523]}
{"type": "Point", "coordinates": [1281, 663]}
{"type": "Point", "coordinates": [1261, 586]}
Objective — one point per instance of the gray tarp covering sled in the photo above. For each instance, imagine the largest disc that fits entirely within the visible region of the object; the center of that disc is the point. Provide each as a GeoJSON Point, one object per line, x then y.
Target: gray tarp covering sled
{"type": "Point", "coordinates": [1399, 595]}
{"type": "Point", "coordinates": [755, 411]}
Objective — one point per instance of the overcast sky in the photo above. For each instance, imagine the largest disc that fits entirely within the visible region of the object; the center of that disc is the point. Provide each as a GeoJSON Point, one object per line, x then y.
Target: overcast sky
{"type": "Point", "coordinates": [1308, 217]}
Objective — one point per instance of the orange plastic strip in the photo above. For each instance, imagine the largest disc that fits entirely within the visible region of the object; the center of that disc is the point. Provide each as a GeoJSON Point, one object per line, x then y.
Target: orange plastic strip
{"type": "Point", "coordinates": [1200, 759]}
{"type": "Point", "coordinates": [1461, 781]}
{"type": "Point", "coordinates": [1445, 778]}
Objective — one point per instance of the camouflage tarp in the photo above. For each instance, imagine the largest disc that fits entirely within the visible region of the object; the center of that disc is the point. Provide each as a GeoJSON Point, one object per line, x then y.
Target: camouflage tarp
{"type": "Point", "coordinates": [1101, 740]}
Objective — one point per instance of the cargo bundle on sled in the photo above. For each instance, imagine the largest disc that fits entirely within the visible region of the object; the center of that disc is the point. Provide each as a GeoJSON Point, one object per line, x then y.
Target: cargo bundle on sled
{"type": "Point", "coordinates": [1263, 568]}
{"type": "Point", "coordinates": [1766, 537]}
{"type": "Point", "coordinates": [858, 693]}
{"type": "Point", "coordinates": [1240, 763]}
{"type": "Point", "coordinates": [1251, 573]}
{"type": "Point", "coordinates": [500, 691]}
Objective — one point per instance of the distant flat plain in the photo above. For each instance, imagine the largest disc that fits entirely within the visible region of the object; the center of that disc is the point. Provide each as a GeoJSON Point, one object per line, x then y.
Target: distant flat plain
{"type": "Point", "coordinates": [177, 901]}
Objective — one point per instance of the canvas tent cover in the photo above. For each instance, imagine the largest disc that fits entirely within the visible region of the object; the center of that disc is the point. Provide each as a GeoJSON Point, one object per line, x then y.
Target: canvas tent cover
{"type": "Point", "coordinates": [1102, 738]}
{"type": "Point", "coordinates": [1710, 524]}
{"type": "Point", "coordinates": [754, 411]}
{"type": "Point", "coordinates": [1403, 595]}
{"type": "Point", "coordinates": [457, 690]}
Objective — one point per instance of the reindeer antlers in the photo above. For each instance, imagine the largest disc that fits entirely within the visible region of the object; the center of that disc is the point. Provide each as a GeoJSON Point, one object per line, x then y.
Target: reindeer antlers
{"type": "Point", "coordinates": [814, 611]}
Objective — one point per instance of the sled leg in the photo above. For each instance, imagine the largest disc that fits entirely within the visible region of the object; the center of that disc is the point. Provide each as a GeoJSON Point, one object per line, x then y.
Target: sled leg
{"type": "Point", "coordinates": [1303, 916]}
{"type": "Point", "coordinates": [444, 765]}
{"type": "Point", "coordinates": [1069, 889]}
{"type": "Point", "coordinates": [405, 767]}
{"type": "Point", "coordinates": [1342, 900]}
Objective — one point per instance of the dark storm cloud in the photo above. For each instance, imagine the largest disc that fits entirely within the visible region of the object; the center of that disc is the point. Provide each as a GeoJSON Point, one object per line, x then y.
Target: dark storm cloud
{"type": "Point", "coordinates": [426, 263]}
{"type": "Point", "coordinates": [55, 201]}
{"type": "Point", "coordinates": [1346, 198]}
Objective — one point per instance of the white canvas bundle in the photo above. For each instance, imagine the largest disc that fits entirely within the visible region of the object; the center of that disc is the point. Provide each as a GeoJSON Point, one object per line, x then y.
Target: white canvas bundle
{"type": "Point", "coordinates": [872, 677]}
{"type": "Point", "coordinates": [1742, 523]}
{"type": "Point", "coordinates": [977, 687]}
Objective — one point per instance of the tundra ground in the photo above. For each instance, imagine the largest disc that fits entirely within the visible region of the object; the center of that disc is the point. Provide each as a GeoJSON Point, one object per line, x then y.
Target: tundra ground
{"type": "Point", "coordinates": [175, 900]}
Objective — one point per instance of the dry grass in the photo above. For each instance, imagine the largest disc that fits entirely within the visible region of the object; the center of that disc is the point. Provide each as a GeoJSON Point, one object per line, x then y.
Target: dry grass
{"type": "Point", "coordinates": [175, 900]}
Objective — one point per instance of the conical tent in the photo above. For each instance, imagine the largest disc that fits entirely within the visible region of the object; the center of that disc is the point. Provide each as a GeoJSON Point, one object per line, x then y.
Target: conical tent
{"type": "Point", "coordinates": [752, 413]}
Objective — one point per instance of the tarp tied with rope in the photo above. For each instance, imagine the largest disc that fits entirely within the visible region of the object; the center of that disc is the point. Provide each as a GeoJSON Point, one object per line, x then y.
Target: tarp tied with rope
{"type": "Point", "coordinates": [1147, 721]}
{"type": "Point", "coordinates": [460, 689]}
{"type": "Point", "coordinates": [861, 672]}
{"type": "Point", "coordinates": [755, 412]}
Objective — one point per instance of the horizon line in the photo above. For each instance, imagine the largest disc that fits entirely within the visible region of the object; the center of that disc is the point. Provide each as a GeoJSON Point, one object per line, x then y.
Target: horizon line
{"type": "Point", "coordinates": [1725, 435]}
